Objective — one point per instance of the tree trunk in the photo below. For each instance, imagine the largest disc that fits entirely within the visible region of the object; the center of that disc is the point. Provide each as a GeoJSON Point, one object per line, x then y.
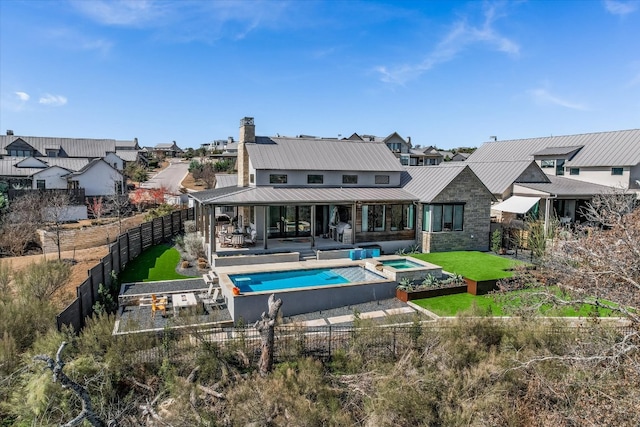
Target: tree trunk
{"type": "Point", "coordinates": [266, 327]}
{"type": "Point", "coordinates": [66, 382]}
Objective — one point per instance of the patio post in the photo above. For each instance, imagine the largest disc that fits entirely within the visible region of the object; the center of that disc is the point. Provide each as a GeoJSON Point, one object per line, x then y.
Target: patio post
{"type": "Point", "coordinates": [313, 225]}
{"type": "Point", "coordinates": [265, 226]}
{"type": "Point", "coordinates": [212, 232]}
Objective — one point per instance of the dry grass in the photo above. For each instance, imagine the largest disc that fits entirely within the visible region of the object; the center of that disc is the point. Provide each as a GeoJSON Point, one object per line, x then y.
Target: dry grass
{"type": "Point", "coordinates": [84, 259]}
{"type": "Point", "coordinates": [192, 184]}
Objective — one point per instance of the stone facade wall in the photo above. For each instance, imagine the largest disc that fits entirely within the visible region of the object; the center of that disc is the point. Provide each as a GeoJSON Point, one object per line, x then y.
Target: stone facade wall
{"type": "Point", "coordinates": [476, 235]}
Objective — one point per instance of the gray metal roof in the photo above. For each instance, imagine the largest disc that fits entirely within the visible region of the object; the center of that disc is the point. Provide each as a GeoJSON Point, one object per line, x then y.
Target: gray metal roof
{"type": "Point", "coordinates": [7, 165]}
{"type": "Point", "coordinates": [427, 182]}
{"type": "Point", "coordinates": [72, 147]}
{"type": "Point", "coordinates": [498, 176]}
{"type": "Point", "coordinates": [567, 187]}
{"type": "Point", "coordinates": [616, 148]}
{"type": "Point", "coordinates": [321, 154]}
{"type": "Point", "coordinates": [300, 195]}
{"type": "Point", "coordinates": [557, 151]}
{"type": "Point", "coordinates": [226, 180]}
{"type": "Point", "coordinates": [127, 155]}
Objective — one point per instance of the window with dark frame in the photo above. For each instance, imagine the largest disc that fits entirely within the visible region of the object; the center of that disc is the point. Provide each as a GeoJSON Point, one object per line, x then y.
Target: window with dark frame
{"type": "Point", "coordinates": [315, 179]}
{"type": "Point", "coordinates": [382, 179]}
{"type": "Point", "coordinates": [402, 217]}
{"type": "Point", "coordinates": [277, 178]}
{"type": "Point", "coordinates": [252, 178]}
{"type": "Point", "coordinates": [40, 184]}
{"type": "Point", "coordinates": [548, 164]}
{"type": "Point", "coordinates": [349, 179]}
{"type": "Point", "coordinates": [574, 171]}
{"type": "Point", "coordinates": [617, 171]}
{"type": "Point", "coordinates": [447, 217]}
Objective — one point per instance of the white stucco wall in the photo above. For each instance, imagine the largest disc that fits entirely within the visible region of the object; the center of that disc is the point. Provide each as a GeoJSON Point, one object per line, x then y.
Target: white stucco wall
{"type": "Point", "coordinates": [99, 180]}
{"type": "Point", "coordinates": [602, 176]}
{"type": "Point", "coordinates": [53, 178]}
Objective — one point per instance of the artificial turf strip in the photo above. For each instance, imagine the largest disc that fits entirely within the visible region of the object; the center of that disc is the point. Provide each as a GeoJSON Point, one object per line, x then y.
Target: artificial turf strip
{"type": "Point", "coordinates": [476, 266]}
{"type": "Point", "coordinates": [452, 305]}
{"type": "Point", "coordinates": [156, 263]}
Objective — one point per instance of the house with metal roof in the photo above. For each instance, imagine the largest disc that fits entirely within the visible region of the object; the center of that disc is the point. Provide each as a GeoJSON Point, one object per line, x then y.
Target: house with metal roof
{"type": "Point", "coordinates": [577, 167]}
{"type": "Point", "coordinates": [89, 167]}
{"type": "Point", "coordinates": [342, 193]}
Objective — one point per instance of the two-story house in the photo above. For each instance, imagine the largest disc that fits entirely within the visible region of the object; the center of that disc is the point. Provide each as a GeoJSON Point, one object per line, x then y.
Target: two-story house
{"type": "Point", "coordinates": [576, 167]}
{"type": "Point", "coordinates": [345, 192]}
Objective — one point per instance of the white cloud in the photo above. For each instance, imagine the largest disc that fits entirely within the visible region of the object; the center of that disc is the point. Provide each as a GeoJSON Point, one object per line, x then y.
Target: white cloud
{"type": "Point", "coordinates": [52, 100]}
{"type": "Point", "coordinates": [22, 96]}
{"type": "Point", "coordinates": [621, 7]}
{"type": "Point", "coordinates": [461, 36]}
{"type": "Point", "coordinates": [544, 97]}
{"type": "Point", "coordinates": [121, 12]}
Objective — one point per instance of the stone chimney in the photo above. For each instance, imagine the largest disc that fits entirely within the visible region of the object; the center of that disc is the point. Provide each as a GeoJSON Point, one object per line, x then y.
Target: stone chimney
{"type": "Point", "coordinates": [247, 135]}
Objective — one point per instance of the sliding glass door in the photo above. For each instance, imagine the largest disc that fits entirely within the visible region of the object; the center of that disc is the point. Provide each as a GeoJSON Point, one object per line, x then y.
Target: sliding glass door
{"type": "Point", "coordinates": [289, 221]}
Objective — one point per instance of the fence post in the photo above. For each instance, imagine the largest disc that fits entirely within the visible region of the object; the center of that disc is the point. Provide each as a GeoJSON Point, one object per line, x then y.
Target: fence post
{"type": "Point", "coordinates": [330, 327]}
{"type": "Point", "coordinates": [394, 341]}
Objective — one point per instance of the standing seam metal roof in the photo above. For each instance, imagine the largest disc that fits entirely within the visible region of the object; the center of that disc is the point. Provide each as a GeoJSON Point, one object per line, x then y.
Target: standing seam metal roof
{"type": "Point", "coordinates": [321, 154]}
{"type": "Point", "coordinates": [616, 148]}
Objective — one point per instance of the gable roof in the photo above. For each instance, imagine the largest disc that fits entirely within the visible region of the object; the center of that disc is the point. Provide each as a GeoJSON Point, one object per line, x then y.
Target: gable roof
{"type": "Point", "coordinates": [90, 165]}
{"type": "Point", "coordinates": [499, 176]}
{"type": "Point", "coordinates": [616, 148]}
{"type": "Point", "coordinates": [284, 153]}
{"type": "Point", "coordinates": [72, 147]}
{"type": "Point", "coordinates": [427, 182]}
{"type": "Point", "coordinates": [8, 168]}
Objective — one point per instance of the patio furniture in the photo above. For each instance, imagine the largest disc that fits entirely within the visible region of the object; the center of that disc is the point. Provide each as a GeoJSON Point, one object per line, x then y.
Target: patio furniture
{"type": "Point", "coordinates": [251, 240]}
{"type": "Point", "coordinates": [237, 240]}
{"type": "Point", "coordinates": [225, 239]}
{"type": "Point", "coordinates": [184, 300]}
{"type": "Point", "coordinates": [158, 304]}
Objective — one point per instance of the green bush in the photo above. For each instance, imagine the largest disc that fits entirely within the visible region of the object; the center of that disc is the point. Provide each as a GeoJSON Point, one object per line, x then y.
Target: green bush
{"type": "Point", "coordinates": [41, 280]}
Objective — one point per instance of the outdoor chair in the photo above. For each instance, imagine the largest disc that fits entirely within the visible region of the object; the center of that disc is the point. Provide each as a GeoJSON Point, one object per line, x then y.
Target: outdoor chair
{"type": "Point", "coordinates": [251, 240]}
{"type": "Point", "coordinates": [214, 299]}
{"type": "Point", "coordinates": [158, 304]}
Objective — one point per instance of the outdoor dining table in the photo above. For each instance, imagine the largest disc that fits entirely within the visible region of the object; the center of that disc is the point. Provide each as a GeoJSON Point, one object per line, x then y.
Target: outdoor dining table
{"type": "Point", "coordinates": [184, 300]}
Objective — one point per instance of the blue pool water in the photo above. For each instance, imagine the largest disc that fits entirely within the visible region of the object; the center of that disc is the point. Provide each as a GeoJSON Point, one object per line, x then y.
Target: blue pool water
{"type": "Point", "coordinates": [279, 280]}
{"type": "Point", "coordinates": [401, 263]}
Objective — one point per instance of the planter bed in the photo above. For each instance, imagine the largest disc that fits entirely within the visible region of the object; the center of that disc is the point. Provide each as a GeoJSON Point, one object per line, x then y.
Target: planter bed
{"type": "Point", "coordinates": [429, 293]}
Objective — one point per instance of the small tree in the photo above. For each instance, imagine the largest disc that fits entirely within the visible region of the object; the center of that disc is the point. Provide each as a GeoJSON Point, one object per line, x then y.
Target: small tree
{"type": "Point", "coordinates": [57, 207]}
{"type": "Point", "coordinates": [96, 207]}
{"type": "Point", "coordinates": [20, 223]}
{"type": "Point", "coordinates": [41, 280]}
{"type": "Point", "coordinates": [496, 240]}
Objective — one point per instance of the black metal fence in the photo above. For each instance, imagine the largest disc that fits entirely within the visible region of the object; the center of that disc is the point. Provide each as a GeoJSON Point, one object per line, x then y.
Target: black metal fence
{"type": "Point", "coordinates": [323, 342]}
{"type": "Point", "coordinates": [125, 248]}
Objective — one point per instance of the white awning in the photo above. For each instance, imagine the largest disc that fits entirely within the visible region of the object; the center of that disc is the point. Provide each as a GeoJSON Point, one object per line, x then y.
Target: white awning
{"type": "Point", "coordinates": [516, 204]}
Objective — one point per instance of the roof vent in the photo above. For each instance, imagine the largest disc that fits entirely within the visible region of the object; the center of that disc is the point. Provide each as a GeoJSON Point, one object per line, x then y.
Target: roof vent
{"type": "Point", "coordinates": [9, 132]}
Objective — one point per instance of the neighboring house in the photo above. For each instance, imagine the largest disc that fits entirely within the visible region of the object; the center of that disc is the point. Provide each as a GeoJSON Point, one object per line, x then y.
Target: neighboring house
{"type": "Point", "coordinates": [169, 149]}
{"type": "Point", "coordinates": [576, 168]}
{"type": "Point", "coordinates": [349, 192]}
{"type": "Point", "coordinates": [90, 167]}
{"type": "Point", "coordinates": [606, 158]}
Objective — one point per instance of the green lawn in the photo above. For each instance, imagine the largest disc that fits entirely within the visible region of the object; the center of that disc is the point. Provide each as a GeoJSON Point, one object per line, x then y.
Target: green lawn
{"type": "Point", "coordinates": [452, 305]}
{"type": "Point", "coordinates": [156, 263]}
{"type": "Point", "coordinates": [476, 266]}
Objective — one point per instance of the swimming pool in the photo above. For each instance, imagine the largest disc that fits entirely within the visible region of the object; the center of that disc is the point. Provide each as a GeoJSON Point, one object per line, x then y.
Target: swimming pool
{"type": "Point", "coordinates": [281, 280]}
{"type": "Point", "coordinates": [400, 263]}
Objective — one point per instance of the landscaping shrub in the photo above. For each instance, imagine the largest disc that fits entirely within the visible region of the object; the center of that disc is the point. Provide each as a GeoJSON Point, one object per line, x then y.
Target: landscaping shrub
{"type": "Point", "coordinates": [41, 280]}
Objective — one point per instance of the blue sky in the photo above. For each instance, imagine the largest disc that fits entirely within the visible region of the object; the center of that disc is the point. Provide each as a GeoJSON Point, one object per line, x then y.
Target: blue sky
{"type": "Point", "coordinates": [444, 73]}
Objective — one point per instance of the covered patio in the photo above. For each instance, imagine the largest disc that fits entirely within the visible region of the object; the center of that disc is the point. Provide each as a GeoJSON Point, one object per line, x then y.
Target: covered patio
{"type": "Point", "coordinates": [283, 219]}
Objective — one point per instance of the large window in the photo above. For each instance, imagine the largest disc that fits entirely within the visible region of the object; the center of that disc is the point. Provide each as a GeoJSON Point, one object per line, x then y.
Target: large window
{"type": "Point", "coordinates": [443, 217]}
{"type": "Point", "coordinates": [560, 167]}
{"type": "Point", "coordinates": [315, 179]}
{"type": "Point", "coordinates": [404, 159]}
{"type": "Point", "coordinates": [396, 147]}
{"type": "Point", "coordinates": [373, 217]}
{"type": "Point", "coordinates": [349, 179]}
{"type": "Point", "coordinates": [277, 178]}
{"type": "Point", "coordinates": [402, 217]}
{"type": "Point", "coordinates": [548, 164]}
{"type": "Point", "coordinates": [19, 153]}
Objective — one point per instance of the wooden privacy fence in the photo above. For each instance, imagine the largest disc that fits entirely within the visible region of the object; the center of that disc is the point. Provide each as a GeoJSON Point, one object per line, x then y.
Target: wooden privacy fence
{"type": "Point", "coordinates": [125, 248]}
